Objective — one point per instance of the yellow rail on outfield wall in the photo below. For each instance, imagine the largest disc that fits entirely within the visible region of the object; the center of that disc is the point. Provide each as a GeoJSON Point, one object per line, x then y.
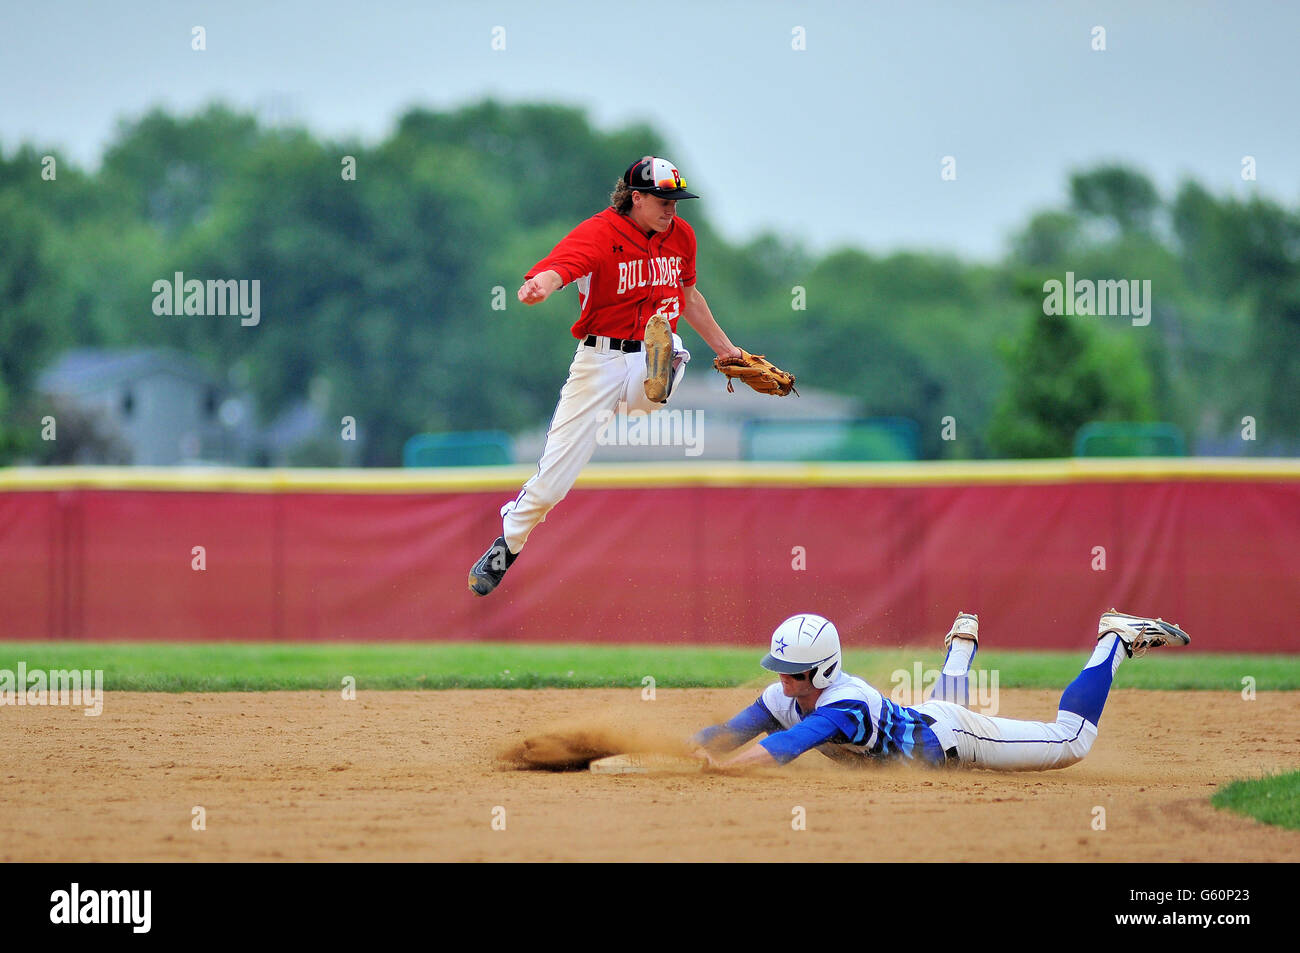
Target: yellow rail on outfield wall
{"type": "Point", "coordinates": [631, 475]}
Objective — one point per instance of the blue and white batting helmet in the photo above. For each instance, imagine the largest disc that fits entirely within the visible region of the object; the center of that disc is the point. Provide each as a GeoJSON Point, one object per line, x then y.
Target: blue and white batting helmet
{"type": "Point", "coordinates": [804, 643]}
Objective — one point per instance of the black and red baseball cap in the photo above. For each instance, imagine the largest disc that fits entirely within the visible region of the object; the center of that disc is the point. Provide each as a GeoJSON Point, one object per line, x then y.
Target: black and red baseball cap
{"type": "Point", "coordinates": [658, 177]}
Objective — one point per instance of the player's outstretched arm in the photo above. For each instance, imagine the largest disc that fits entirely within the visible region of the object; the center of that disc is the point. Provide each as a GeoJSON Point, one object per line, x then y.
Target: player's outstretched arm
{"type": "Point", "coordinates": [734, 732]}
{"type": "Point", "coordinates": [782, 747]}
{"type": "Point", "coordinates": [697, 314]}
{"type": "Point", "coordinates": [755, 757]}
{"type": "Point", "coordinates": [540, 287]}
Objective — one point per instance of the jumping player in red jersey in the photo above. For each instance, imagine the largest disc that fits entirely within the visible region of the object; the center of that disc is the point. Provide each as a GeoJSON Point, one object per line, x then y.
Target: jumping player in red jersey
{"type": "Point", "coordinates": [634, 265]}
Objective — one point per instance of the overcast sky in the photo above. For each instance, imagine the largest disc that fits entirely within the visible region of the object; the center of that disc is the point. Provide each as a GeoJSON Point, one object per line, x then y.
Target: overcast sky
{"type": "Point", "coordinates": [841, 142]}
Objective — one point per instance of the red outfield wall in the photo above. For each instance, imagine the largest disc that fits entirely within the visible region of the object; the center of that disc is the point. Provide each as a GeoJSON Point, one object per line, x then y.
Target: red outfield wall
{"type": "Point", "coordinates": [890, 554]}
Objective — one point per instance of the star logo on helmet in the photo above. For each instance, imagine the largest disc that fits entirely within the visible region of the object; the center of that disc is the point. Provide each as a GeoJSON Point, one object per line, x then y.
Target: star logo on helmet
{"type": "Point", "coordinates": [781, 646]}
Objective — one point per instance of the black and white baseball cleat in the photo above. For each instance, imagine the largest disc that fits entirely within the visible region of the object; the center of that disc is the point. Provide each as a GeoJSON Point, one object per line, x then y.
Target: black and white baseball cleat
{"type": "Point", "coordinates": [1139, 633]}
{"type": "Point", "coordinates": [491, 567]}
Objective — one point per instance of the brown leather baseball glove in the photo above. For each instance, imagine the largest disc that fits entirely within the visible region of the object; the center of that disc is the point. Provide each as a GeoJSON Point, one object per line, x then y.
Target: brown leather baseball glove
{"type": "Point", "coordinates": [756, 371]}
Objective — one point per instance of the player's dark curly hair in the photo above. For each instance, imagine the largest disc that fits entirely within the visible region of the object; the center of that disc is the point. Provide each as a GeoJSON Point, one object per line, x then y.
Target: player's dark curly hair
{"type": "Point", "coordinates": [621, 197]}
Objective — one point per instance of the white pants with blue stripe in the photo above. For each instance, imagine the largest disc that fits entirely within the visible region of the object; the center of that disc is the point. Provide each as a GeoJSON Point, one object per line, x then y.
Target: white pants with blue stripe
{"type": "Point", "coordinates": [1006, 744]}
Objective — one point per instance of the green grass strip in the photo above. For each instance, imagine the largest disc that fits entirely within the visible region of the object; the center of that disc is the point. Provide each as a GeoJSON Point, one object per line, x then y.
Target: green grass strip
{"type": "Point", "coordinates": [1273, 800]}
{"type": "Point", "coordinates": [212, 667]}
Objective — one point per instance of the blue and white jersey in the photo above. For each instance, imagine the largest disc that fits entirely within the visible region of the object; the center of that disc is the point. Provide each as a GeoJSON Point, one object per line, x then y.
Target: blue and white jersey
{"type": "Point", "coordinates": [851, 721]}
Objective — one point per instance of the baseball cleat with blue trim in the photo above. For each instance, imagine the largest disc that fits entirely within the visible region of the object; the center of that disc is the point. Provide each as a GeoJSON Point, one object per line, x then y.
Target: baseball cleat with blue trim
{"type": "Point", "coordinates": [965, 626]}
{"type": "Point", "coordinates": [1139, 633]}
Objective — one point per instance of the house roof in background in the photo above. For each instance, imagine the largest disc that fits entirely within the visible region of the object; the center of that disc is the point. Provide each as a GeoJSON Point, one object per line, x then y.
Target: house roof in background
{"type": "Point", "coordinates": [83, 370]}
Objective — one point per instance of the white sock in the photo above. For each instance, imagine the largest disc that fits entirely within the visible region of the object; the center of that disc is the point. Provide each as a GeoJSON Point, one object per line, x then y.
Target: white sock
{"type": "Point", "coordinates": [960, 652]}
{"type": "Point", "coordinates": [1102, 650]}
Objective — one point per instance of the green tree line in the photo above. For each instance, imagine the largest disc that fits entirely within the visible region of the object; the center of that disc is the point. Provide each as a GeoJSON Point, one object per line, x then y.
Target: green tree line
{"type": "Point", "coordinates": [381, 287]}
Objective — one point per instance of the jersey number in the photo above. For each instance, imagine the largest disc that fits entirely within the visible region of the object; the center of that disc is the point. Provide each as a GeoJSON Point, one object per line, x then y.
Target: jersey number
{"type": "Point", "coordinates": [670, 308]}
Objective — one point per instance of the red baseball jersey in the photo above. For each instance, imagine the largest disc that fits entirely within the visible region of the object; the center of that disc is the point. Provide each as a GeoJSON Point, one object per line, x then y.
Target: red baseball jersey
{"type": "Point", "coordinates": [623, 276]}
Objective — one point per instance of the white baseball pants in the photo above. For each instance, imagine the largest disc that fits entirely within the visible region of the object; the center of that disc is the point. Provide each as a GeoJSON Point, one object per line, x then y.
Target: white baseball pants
{"type": "Point", "coordinates": [1006, 744]}
{"type": "Point", "coordinates": [601, 383]}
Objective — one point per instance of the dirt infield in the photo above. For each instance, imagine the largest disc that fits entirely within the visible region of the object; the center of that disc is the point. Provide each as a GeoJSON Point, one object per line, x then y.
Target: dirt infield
{"type": "Point", "coordinates": [415, 776]}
